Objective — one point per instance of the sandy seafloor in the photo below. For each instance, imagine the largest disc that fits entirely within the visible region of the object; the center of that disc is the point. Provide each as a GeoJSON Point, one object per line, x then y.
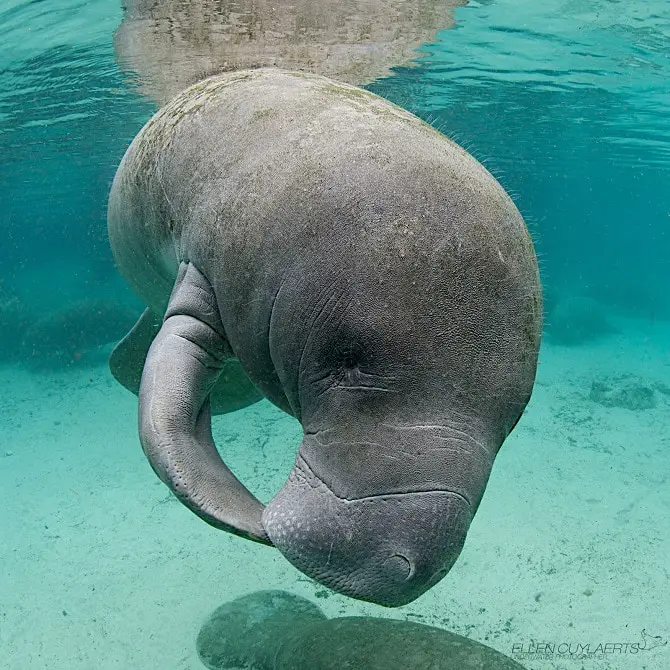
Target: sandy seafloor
{"type": "Point", "coordinates": [101, 568]}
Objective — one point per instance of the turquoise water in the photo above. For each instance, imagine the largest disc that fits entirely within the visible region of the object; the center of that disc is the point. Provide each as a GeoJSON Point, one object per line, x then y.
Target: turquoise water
{"type": "Point", "coordinates": [567, 105]}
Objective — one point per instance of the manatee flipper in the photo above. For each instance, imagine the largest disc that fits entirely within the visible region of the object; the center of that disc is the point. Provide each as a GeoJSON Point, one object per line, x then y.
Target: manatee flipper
{"type": "Point", "coordinates": [128, 356]}
{"type": "Point", "coordinates": [184, 363]}
{"type": "Point", "coordinates": [232, 391]}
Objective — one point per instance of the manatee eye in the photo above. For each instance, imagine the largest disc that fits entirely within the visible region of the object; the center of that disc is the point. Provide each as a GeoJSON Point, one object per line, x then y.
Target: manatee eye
{"type": "Point", "coordinates": [349, 361]}
{"type": "Point", "coordinates": [346, 349]}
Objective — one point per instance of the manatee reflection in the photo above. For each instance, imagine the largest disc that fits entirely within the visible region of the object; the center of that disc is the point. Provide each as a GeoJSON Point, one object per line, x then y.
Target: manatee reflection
{"type": "Point", "coordinates": [171, 44]}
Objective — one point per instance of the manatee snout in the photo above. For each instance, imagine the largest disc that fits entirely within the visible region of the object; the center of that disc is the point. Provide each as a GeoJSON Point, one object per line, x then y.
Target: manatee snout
{"type": "Point", "coordinates": [386, 549]}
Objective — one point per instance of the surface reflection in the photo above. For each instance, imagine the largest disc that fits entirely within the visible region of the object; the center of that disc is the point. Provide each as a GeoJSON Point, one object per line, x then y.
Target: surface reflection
{"type": "Point", "coordinates": [173, 43]}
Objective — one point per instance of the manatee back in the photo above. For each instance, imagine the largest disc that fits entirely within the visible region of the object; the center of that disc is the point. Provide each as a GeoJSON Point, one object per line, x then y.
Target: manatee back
{"type": "Point", "coordinates": [288, 191]}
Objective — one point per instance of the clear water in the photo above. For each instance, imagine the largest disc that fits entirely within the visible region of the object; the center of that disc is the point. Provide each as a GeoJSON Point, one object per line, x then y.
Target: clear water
{"type": "Point", "coordinates": [567, 104]}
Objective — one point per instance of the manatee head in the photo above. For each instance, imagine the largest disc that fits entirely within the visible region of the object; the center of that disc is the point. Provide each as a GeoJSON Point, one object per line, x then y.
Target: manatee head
{"type": "Point", "coordinates": [408, 363]}
{"type": "Point", "coordinates": [387, 547]}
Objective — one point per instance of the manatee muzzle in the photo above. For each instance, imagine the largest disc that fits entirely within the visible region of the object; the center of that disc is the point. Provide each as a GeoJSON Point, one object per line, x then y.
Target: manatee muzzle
{"type": "Point", "coordinates": [386, 549]}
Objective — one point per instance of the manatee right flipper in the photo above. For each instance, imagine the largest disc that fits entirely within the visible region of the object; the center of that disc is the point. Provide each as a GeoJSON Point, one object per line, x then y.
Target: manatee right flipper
{"type": "Point", "coordinates": [183, 364]}
{"type": "Point", "coordinates": [232, 391]}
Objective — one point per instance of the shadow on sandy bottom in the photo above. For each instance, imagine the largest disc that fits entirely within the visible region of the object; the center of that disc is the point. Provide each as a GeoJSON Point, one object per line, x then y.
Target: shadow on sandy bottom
{"type": "Point", "coordinates": [275, 630]}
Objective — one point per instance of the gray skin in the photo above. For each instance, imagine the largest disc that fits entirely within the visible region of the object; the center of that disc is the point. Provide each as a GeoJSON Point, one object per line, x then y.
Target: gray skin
{"type": "Point", "coordinates": [368, 276]}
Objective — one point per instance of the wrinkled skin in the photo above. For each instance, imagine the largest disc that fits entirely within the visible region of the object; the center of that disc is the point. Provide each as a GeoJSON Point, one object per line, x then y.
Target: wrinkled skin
{"type": "Point", "coordinates": [368, 276]}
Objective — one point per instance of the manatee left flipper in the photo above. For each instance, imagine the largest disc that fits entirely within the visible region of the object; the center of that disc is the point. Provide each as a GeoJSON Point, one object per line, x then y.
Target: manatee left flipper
{"type": "Point", "coordinates": [232, 391]}
{"type": "Point", "coordinates": [184, 363]}
{"type": "Point", "coordinates": [127, 358]}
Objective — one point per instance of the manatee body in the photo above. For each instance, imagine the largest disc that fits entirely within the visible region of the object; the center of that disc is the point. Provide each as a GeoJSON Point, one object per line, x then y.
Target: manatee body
{"type": "Point", "coordinates": [309, 241]}
{"type": "Point", "coordinates": [274, 630]}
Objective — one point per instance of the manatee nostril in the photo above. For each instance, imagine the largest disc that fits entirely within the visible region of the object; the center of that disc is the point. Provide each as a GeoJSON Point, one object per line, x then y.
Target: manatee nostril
{"type": "Point", "coordinates": [398, 567]}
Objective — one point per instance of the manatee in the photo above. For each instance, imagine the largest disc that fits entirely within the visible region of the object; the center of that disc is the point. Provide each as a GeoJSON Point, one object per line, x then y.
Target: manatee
{"type": "Point", "coordinates": [306, 240]}
{"type": "Point", "coordinates": [274, 630]}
